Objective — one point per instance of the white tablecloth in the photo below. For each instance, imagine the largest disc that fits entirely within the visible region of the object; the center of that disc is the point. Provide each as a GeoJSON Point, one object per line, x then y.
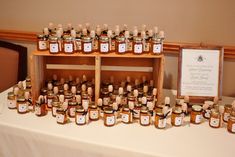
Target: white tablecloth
{"type": "Point", "coordinates": [30, 136]}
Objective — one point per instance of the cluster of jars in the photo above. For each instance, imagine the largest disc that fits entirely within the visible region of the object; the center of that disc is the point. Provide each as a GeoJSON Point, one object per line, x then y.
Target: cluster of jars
{"type": "Point", "coordinates": [101, 39]}
{"type": "Point", "coordinates": [20, 98]}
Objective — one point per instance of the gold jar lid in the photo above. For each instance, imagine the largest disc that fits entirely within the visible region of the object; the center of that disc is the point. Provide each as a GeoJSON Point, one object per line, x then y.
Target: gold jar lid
{"type": "Point", "coordinates": [86, 39]}
{"type": "Point", "coordinates": [53, 38]}
{"type": "Point", "coordinates": [40, 36]}
{"type": "Point", "coordinates": [138, 40]}
{"type": "Point", "coordinates": [177, 110]}
{"type": "Point", "coordinates": [72, 103]}
{"type": "Point", "coordinates": [50, 94]}
{"type": "Point", "coordinates": [10, 95]}
{"type": "Point", "coordinates": [80, 110]}
{"type": "Point", "coordinates": [104, 39]}
{"type": "Point", "coordinates": [67, 38]}
{"type": "Point", "coordinates": [214, 112]}
{"type": "Point", "coordinates": [44, 91]}
{"type": "Point", "coordinates": [131, 98]}
{"type": "Point", "coordinates": [120, 39]}
{"type": "Point", "coordinates": [197, 108]}
{"type": "Point", "coordinates": [68, 95]}
{"type": "Point", "coordinates": [108, 110]}
{"type": "Point", "coordinates": [160, 114]}
{"type": "Point", "coordinates": [156, 40]}
{"type": "Point", "coordinates": [149, 98]}
{"type": "Point", "coordinates": [60, 110]}
{"type": "Point", "coordinates": [144, 110]}
{"type": "Point", "coordinates": [21, 99]}
{"type": "Point", "coordinates": [55, 103]}
{"type": "Point", "coordinates": [93, 106]}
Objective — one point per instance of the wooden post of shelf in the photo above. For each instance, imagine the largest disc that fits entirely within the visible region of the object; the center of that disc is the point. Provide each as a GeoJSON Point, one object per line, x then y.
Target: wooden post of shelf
{"type": "Point", "coordinates": [97, 77]}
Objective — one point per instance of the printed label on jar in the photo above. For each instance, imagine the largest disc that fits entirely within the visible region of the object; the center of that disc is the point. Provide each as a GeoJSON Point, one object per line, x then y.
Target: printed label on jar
{"type": "Point", "coordinates": [49, 102]}
{"type": "Point", "coordinates": [110, 120]}
{"type": "Point", "coordinates": [138, 48]}
{"type": "Point", "coordinates": [87, 47]}
{"type": "Point", "coordinates": [93, 114]}
{"type": "Point", "coordinates": [60, 118]}
{"type": "Point", "coordinates": [215, 122]}
{"type": "Point", "coordinates": [146, 47]}
{"type": "Point", "coordinates": [162, 123]}
{"type": "Point", "coordinates": [113, 45]}
{"type": "Point", "coordinates": [54, 111]}
{"type": "Point", "coordinates": [81, 119]}
{"type": "Point", "coordinates": [72, 111]}
{"type": "Point", "coordinates": [226, 116]}
{"type": "Point", "coordinates": [38, 110]}
{"type": "Point", "coordinates": [42, 45]}
{"type": "Point", "coordinates": [198, 119]}
{"type": "Point", "coordinates": [129, 46]}
{"type": "Point", "coordinates": [121, 48]}
{"type": "Point", "coordinates": [104, 47]}
{"type": "Point", "coordinates": [144, 120]}
{"type": "Point", "coordinates": [178, 121]}
{"type": "Point", "coordinates": [136, 113]}
{"type": "Point", "coordinates": [23, 107]}
{"type": "Point", "coordinates": [125, 118]}
{"type": "Point", "coordinates": [85, 102]}
{"type": "Point", "coordinates": [11, 104]}
{"type": "Point", "coordinates": [157, 48]}
{"type": "Point", "coordinates": [54, 48]}
{"type": "Point", "coordinates": [233, 127]}
{"type": "Point", "coordinates": [68, 48]}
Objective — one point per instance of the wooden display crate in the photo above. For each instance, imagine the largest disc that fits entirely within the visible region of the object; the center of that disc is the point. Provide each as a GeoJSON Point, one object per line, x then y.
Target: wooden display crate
{"type": "Point", "coordinates": [98, 66]}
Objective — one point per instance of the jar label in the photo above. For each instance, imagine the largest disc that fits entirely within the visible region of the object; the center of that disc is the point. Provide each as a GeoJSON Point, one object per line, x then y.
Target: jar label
{"type": "Point", "coordinates": [131, 103]}
{"type": "Point", "coordinates": [54, 48]}
{"type": "Point", "coordinates": [72, 111]}
{"type": "Point", "coordinates": [49, 102]}
{"type": "Point", "coordinates": [60, 118]}
{"type": "Point", "coordinates": [178, 121]}
{"type": "Point", "coordinates": [146, 47]}
{"type": "Point", "coordinates": [87, 47]}
{"type": "Point", "coordinates": [42, 45]}
{"type": "Point", "coordinates": [54, 111]}
{"type": "Point", "coordinates": [226, 116]}
{"type": "Point", "coordinates": [106, 101]}
{"type": "Point", "coordinates": [93, 115]}
{"type": "Point", "coordinates": [68, 48]}
{"type": "Point", "coordinates": [38, 110]}
{"type": "Point", "coordinates": [157, 48]}
{"type": "Point", "coordinates": [207, 113]}
{"type": "Point", "coordinates": [85, 102]}
{"type": "Point", "coordinates": [23, 107]}
{"type": "Point", "coordinates": [113, 45]}
{"type": "Point", "coordinates": [136, 113]}
{"type": "Point", "coordinates": [110, 120]}
{"type": "Point", "coordinates": [104, 47]}
{"type": "Point", "coordinates": [215, 122]}
{"type": "Point", "coordinates": [11, 103]}
{"type": "Point", "coordinates": [198, 119]}
{"type": "Point", "coordinates": [121, 48]}
{"type": "Point", "coordinates": [162, 123]}
{"type": "Point", "coordinates": [233, 127]}
{"type": "Point", "coordinates": [95, 45]}
{"type": "Point", "coordinates": [81, 119]}
{"type": "Point", "coordinates": [79, 45]}
{"type": "Point", "coordinates": [125, 118]}
{"type": "Point", "coordinates": [144, 100]}
{"type": "Point", "coordinates": [129, 46]}
{"type": "Point", "coordinates": [144, 120]}
{"type": "Point", "coordinates": [138, 48]}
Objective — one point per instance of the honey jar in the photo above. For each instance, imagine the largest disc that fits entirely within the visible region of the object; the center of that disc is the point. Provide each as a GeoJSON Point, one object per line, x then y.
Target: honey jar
{"type": "Point", "coordinates": [215, 119]}
{"type": "Point", "coordinates": [109, 117]}
{"type": "Point", "coordinates": [136, 110]}
{"type": "Point", "coordinates": [85, 100]}
{"type": "Point", "coordinates": [22, 105]}
{"type": "Point", "coordinates": [41, 43]}
{"type": "Point", "coordinates": [78, 44]}
{"type": "Point", "coordinates": [54, 47]}
{"type": "Point", "coordinates": [61, 116]}
{"type": "Point", "coordinates": [68, 45]}
{"type": "Point", "coordinates": [156, 46]}
{"type": "Point", "coordinates": [120, 45]}
{"type": "Point", "coordinates": [231, 123]}
{"type": "Point", "coordinates": [80, 118]}
{"type": "Point", "coordinates": [196, 114]}
{"type": "Point", "coordinates": [160, 120]}
{"type": "Point", "coordinates": [50, 97]}
{"type": "Point", "coordinates": [11, 100]}
{"type": "Point", "coordinates": [68, 96]}
{"type": "Point", "coordinates": [93, 113]}
{"type": "Point", "coordinates": [145, 118]}
{"type": "Point", "coordinates": [86, 44]}
{"type": "Point", "coordinates": [72, 105]}
{"type": "Point", "coordinates": [137, 45]}
{"type": "Point", "coordinates": [176, 117]}
{"type": "Point", "coordinates": [126, 115]}
{"type": "Point", "coordinates": [104, 44]}
{"type": "Point", "coordinates": [40, 109]}
{"type": "Point", "coordinates": [55, 106]}
{"type": "Point", "coordinates": [227, 111]}
{"type": "Point", "coordinates": [207, 112]}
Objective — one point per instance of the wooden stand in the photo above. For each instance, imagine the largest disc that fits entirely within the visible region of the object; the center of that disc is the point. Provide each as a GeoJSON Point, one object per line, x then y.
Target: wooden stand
{"type": "Point", "coordinates": [98, 66]}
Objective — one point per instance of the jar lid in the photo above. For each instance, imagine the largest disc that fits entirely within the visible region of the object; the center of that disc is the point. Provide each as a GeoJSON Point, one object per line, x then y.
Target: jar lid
{"type": "Point", "coordinates": [68, 95]}
{"type": "Point", "coordinates": [21, 99]}
{"type": "Point", "coordinates": [60, 110]}
{"type": "Point", "coordinates": [214, 112]}
{"type": "Point", "coordinates": [10, 94]}
{"type": "Point", "coordinates": [137, 39]}
{"type": "Point", "coordinates": [120, 38]}
{"type": "Point", "coordinates": [177, 110]}
{"type": "Point", "coordinates": [149, 97]}
{"type": "Point", "coordinates": [108, 110]}
{"type": "Point", "coordinates": [93, 106]}
{"type": "Point", "coordinates": [40, 36]}
{"type": "Point", "coordinates": [126, 108]}
{"type": "Point", "coordinates": [160, 106]}
{"type": "Point", "coordinates": [160, 114]}
{"type": "Point", "coordinates": [80, 110]}
{"type": "Point", "coordinates": [228, 106]}
{"type": "Point", "coordinates": [144, 110]}
{"type": "Point", "coordinates": [72, 103]}
{"type": "Point", "coordinates": [131, 97]}
{"type": "Point", "coordinates": [138, 105]}
{"type": "Point", "coordinates": [50, 94]}
{"type": "Point", "coordinates": [104, 39]}
{"type": "Point", "coordinates": [86, 39]}
{"type": "Point", "coordinates": [44, 90]}
{"type": "Point", "coordinates": [67, 38]}
{"type": "Point", "coordinates": [197, 108]}
{"type": "Point", "coordinates": [156, 40]}
{"type": "Point", "coordinates": [53, 38]}
{"type": "Point", "coordinates": [55, 103]}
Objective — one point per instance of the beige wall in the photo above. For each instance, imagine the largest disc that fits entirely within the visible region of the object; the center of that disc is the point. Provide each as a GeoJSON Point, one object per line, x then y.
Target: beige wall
{"type": "Point", "coordinates": [208, 21]}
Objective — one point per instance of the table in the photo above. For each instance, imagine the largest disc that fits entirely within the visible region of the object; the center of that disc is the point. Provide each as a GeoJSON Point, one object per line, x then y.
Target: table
{"type": "Point", "coordinates": [29, 135]}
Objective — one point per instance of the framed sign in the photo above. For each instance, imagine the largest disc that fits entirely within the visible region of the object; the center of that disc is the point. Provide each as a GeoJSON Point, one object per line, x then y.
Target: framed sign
{"type": "Point", "coordinates": [200, 72]}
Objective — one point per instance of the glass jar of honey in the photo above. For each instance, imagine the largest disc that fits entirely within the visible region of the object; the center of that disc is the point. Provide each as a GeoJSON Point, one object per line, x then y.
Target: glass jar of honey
{"type": "Point", "coordinates": [196, 114]}
{"type": "Point", "coordinates": [72, 105]}
{"type": "Point", "coordinates": [231, 123]}
{"type": "Point", "coordinates": [55, 106]}
{"type": "Point", "coordinates": [120, 45]}
{"type": "Point", "coordinates": [215, 119]}
{"type": "Point", "coordinates": [78, 44]}
{"type": "Point", "coordinates": [50, 97]}
{"type": "Point", "coordinates": [145, 117]}
{"type": "Point", "coordinates": [80, 118]}
{"type": "Point", "coordinates": [136, 110]}
{"type": "Point", "coordinates": [176, 117]}
{"type": "Point", "coordinates": [126, 115]}
{"type": "Point", "coordinates": [61, 116]}
{"type": "Point", "coordinates": [86, 44]}
{"type": "Point", "coordinates": [160, 120]}
{"type": "Point", "coordinates": [22, 105]}
{"type": "Point", "coordinates": [137, 45]}
{"type": "Point", "coordinates": [227, 111]}
{"type": "Point", "coordinates": [109, 117]}
{"type": "Point", "coordinates": [41, 42]}
{"type": "Point", "coordinates": [40, 109]}
{"type": "Point", "coordinates": [85, 100]}
{"type": "Point", "coordinates": [93, 112]}
{"type": "Point", "coordinates": [207, 112]}
{"type": "Point", "coordinates": [104, 44]}
{"type": "Point", "coordinates": [156, 46]}
{"type": "Point", "coordinates": [68, 45]}
{"type": "Point", "coordinates": [11, 100]}
{"type": "Point", "coordinates": [54, 46]}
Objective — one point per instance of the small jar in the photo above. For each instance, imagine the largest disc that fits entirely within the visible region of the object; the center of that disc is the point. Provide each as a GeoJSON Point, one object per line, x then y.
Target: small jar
{"type": "Point", "coordinates": [22, 105]}
{"type": "Point", "coordinates": [72, 105]}
{"type": "Point", "coordinates": [231, 123]}
{"type": "Point", "coordinates": [121, 45]}
{"type": "Point", "coordinates": [41, 43]}
{"type": "Point", "coordinates": [68, 45]}
{"type": "Point", "coordinates": [227, 111]}
{"type": "Point", "coordinates": [207, 113]}
{"type": "Point", "coordinates": [156, 46]}
{"type": "Point", "coordinates": [104, 44]}
{"type": "Point", "coordinates": [11, 100]}
{"type": "Point", "coordinates": [196, 114]}
{"type": "Point", "coordinates": [40, 109]}
{"type": "Point", "coordinates": [160, 120]}
{"type": "Point", "coordinates": [86, 45]}
{"type": "Point", "coordinates": [80, 117]}
{"type": "Point", "coordinates": [93, 113]}
{"type": "Point", "coordinates": [176, 117]}
{"type": "Point", "coordinates": [54, 47]}
{"type": "Point", "coordinates": [50, 97]}
{"type": "Point", "coordinates": [126, 115]}
{"type": "Point", "coordinates": [145, 118]}
{"type": "Point", "coordinates": [136, 110]}
{"type": "Point", "coordinates": [137, 45]}
{"type": "Point", "coordinates": [61, 116]}
{"type": "Point", "coordinates": [215, 119]}
{"type": "Point", "coordinates": [109, 117]}
{"type": "Point", "coordinates": [55, 106]}
{"type": "Point", "coordinates": [106, 98]}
